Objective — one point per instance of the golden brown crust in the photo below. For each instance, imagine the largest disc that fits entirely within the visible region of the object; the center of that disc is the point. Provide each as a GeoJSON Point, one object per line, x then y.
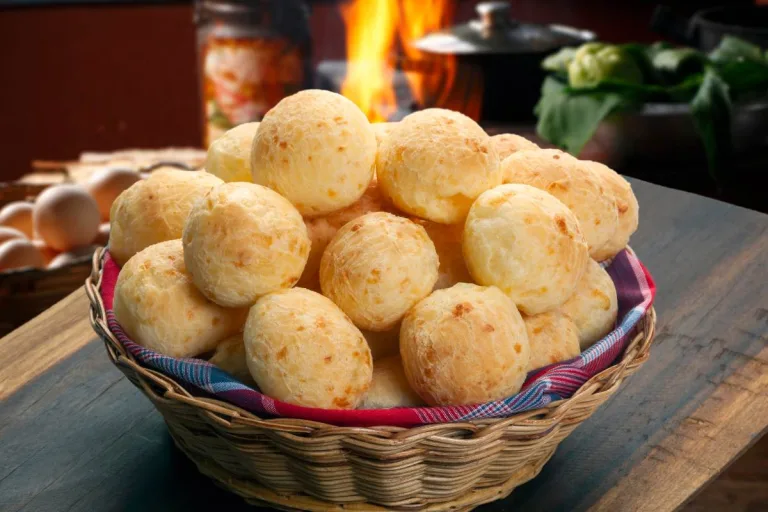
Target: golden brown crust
{"type": "Point", "coordinates": [435, 162]}
{"type": "Point", "coordinates": [378, 266]}
{"type": "Point", "coordinates": [593, 307]}
{"type": "Point", "coordinates": [322, 229]}
{"type": "Point", "coordinates": [242, 241]}
{"type": "Point", "coordinates": [389, 386]}
{"type": "Point", "coordinates": [626, 205]}
{"type": "Point", "coordinates": [160, 308]}
{"type": "Point", "coordinates": [229, 156]}
{"type": "Point", "coordinates": [302, 349]}
{"type": "Point", "coordinates": [464, 345]}
{"type": "Point", "coordinates": [527, 243]}
{"type": "Point", "coordinates": [573, 183]}
{"type": "Point", "coordinates": [509, 143]}
{"type": "Point", "coordinates": [553, 338]}
{"type": "Point", "coordinates": [154, 210]}
{"type": "Point", "coordinates": [317, 149]}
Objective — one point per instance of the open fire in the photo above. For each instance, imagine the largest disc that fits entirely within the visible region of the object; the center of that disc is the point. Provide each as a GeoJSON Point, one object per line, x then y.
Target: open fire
{"type": "Point", "coordinates": [379, 37]}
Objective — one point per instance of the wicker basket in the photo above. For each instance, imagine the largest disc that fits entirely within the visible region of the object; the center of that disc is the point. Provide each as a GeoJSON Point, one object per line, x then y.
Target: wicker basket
{"type": "Point", "coordinates": [302, 465]}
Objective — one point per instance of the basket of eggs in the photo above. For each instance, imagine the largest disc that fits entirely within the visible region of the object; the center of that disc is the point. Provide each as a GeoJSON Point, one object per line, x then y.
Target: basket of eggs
{"type": "Point", "coordinates": [340, 315]}
{"type": "Point", "coordinates": [49, 232]}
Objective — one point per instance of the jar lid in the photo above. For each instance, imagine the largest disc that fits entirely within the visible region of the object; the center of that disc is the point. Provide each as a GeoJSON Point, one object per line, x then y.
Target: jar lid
{"type": "Point", "coordinates": [494, 32]}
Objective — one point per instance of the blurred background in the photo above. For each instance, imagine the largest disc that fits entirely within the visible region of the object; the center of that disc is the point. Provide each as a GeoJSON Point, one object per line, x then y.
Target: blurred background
{"type": "Point", "coordinates": [107, 75]}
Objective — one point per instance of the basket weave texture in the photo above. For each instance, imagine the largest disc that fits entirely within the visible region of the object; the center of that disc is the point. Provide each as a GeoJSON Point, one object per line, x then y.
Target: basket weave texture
{"type": "Point", "coordinates": [303, 465]}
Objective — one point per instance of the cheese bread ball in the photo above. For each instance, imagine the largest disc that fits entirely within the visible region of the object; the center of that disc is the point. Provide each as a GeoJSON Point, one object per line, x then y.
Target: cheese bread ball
{"type": "Point", "coordinates": [381, 130]}
{"type": "Point", "coordinates": [573, 183]}
{"type": "Point", "coordinates": [389, 387]}
{"type": "Point", "coordinates": [447, 240]}
{"type": "Point", "coordinates": [160, 308]}
{"type": "Point", "coordinates": [593, 307]}
{"type": "Point", "coordinates": [322, 229]}
{"type": "Point", "coordinates": [230, 357]}
{"type": "Point", "coordinates": [553, 338]}
{"type": "Point", "coordinates": [317, 149]}
{"type": "Point", "coordinates": [527, 243]}
{"type": "Point", "coordinates": [18, 215]}
{"type": "Point", "coordinates": [154, 210]}
{"type": "Point", "coordinates": [229, 156]}
{"type": "Point", "coordinates": [66, 216]}
{"type": "Point", "coordinates": [464, 345]}
{"type": "Point", "coordinates": [508, 143]}
{"type": "Point", "coordinates": [384, 343]}
{"type": "Point", "coordinates": [378, 266]}
{"type": "Point", "coordinates": [626, 206]}
{"type": "Point", "coordinates": [302, 349]}
{"type": "Point", "coordinates": [242, 241]}
{"type": "Point", "coordinates": [435, 162]}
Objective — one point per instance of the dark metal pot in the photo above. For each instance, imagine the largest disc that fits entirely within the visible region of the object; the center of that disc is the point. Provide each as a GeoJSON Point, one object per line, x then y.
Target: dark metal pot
{"type": "Point", "coordinates": [706, 28]}
{"type": "Point", "coordinates": [507, 53]}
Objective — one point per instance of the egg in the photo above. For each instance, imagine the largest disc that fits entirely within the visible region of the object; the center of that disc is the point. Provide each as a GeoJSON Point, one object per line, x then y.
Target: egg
{"type": "Point", "coordinates": [105, 185]}
{"type": "Point", "coordinates": [48, 253]}
{"type": "Point", "coordinates": [76, 254]}
{"type": "Point", "coordinates": [19, 253]}
{"type": "Point", "coordinates": [18, 215]}
{"type": "Point", "coordinates": [66, 216]}
{"type": "Point", "coordinates": [7, 233]}
{"type": "Point", "coordinates": [103, 237]}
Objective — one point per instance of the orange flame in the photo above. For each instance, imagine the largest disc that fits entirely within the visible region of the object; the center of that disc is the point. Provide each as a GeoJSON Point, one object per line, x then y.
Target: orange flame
{"type": "Point", "coordinates": [370, 39]}
{"type": "Point", "coordinates": [419, 18]}
{"type": "Point", "coordinates": [374, 29]}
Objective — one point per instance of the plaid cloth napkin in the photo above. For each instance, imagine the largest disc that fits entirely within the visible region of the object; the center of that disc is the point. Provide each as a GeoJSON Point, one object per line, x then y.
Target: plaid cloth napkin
{"type": "Point", "coordinates": [635, 288]}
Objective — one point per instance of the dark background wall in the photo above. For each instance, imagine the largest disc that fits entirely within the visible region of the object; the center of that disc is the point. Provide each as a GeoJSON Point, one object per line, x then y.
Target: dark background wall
{"type": "Point", "coordinates": [105, 77]}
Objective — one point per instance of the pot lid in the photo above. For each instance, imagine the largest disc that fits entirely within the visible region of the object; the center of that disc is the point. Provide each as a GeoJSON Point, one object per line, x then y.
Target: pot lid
{"type": "Point", "coordinates": [495, 32]}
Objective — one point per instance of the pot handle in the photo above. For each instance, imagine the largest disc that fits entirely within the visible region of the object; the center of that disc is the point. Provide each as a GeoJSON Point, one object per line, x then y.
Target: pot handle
{"type": "Point", "coordinates": [675, 26]}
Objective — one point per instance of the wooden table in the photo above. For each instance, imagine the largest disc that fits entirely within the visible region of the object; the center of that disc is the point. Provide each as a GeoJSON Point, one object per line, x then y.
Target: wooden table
{"type": "Point", "coordinates": [75, 435]}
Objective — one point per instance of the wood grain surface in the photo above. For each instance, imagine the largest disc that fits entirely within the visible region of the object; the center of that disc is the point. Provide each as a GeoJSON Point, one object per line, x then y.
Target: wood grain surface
{"type": "Point", "coordinates": [75, 435]}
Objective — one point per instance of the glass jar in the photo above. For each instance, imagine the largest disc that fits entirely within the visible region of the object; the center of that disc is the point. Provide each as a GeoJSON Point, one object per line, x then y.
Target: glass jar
{"type": "Point", "coordinates": [251, 55]}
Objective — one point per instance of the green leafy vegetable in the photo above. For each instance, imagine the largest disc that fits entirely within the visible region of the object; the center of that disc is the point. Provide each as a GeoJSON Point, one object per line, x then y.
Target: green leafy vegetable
{"type": "Point", "coordinates": [732, 48]}
{"type": "Point", "coordinates": [595, 62]}
{"type": "Point", "coordinates": [711, 109]}
{"type": "Point", "coordinates": [569, 121]}
{"type": "Point", "coordinates": [604, 79]}
{"type": "Point", "coordinates": [675, 64]}
{"type": "Point", "coordinates": [558, 62]}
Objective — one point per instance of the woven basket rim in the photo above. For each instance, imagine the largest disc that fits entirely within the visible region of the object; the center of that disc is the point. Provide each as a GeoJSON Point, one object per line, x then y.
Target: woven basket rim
{"type": "Point", "coordinates": [227, 414]}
